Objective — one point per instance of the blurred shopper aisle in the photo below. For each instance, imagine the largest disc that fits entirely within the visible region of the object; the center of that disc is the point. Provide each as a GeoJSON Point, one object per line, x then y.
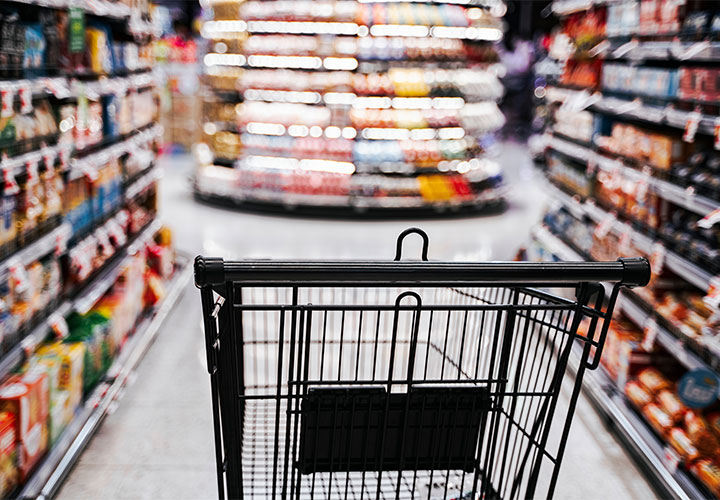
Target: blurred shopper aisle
{"type": "Point", "coordinates": [159, 442]}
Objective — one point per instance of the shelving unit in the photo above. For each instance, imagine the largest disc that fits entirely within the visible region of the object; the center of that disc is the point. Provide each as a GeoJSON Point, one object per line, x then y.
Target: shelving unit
{"type": "Point", "coordinates": [613, 191]}
{"type": "Point", "coordinates": [350, 110]}
{"type": "Point", "coordinates": [109, 174]}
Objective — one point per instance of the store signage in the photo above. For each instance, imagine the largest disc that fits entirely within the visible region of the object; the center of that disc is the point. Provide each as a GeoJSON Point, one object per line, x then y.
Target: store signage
{"type": "Point", "coordinates": [698, 388]}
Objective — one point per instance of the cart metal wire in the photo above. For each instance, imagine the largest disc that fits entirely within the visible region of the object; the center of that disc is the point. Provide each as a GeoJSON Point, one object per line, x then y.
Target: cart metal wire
{"type": "Point", "coordinates": [399, 379]}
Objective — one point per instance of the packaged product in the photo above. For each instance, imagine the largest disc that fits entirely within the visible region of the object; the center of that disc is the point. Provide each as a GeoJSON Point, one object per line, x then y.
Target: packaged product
{"type": "Point", "coordinates": [91, 329]}
{"type": "Point", "coordinates": [71, 356]}
{"type": "Point", "coordinates": [34, 53]}
{"type": "Point", "coordinates": [27, 397]}
{"type": "Point", "coordinates": [637, 394]}
{"type": "Point", "coordinates": [58, 418]}
{"type": "Point", "coordinates": [698, 430]}
{"type": "Point", "coordinates": [709, 473]}
{"type": "Point", "coordinates": [8, 453]}
{"type": "Point", "coordinates": [653, 380]}
{"type": "Point", "coordinates": [154, 289]}
{"type": "Point", "coordinates": [671, 404]}
{"type": "Point", "coordinates": [98, 47]}
{"type": "Point", "coordinates": [8, 227]}
{"type": "Point", "coordinates": [660, 420]}
{"type": "Point", "coordinates": [680, 441]}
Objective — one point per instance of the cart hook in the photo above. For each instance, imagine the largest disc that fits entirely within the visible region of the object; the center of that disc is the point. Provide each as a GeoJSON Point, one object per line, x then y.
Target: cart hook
{"type": "Point", "coordinates": [416, 230]}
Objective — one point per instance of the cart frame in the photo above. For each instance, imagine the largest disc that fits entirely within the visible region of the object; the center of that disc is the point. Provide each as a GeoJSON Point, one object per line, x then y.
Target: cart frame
{"type": "Point", "coordinates": [295, 418]}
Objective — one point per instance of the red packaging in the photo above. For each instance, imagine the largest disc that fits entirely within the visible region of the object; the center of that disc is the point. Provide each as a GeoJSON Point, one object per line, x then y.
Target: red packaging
{"type": "Point", "coordinates": [461, 186]}
{"type": "Point", "coordinates": [688, 87]}
{"type": "Point", "coordinates": [709, 85]}
{"type": "Point", "coordinates": [649, 16]}
{"type": "Point", "coordinates": [669, 14]}
{"type": "Point", "coordinates": [28, 398]}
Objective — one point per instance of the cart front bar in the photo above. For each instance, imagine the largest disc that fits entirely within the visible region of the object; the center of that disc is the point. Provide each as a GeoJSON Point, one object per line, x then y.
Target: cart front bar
{"type": "Point", "coordinates": [211, 271]}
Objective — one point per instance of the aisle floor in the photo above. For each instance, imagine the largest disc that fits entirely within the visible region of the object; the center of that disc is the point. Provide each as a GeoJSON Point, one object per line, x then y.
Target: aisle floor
{"type": "Point", "coordinates": [159, 444]}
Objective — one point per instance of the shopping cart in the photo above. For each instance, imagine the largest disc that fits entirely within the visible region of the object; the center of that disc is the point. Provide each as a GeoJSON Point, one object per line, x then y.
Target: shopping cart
{"type": "Point", "coordinates": [399, 379]}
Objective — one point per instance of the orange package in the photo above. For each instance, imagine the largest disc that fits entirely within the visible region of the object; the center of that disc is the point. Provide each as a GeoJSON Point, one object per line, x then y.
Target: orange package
{"type": "Point", "coordinates": [653, 380]}
{"type": "Point", "coordinates": [700, 434]}
{"type": "Point", "coordinates": [680, 441]}
{"type": "Point", "coordinates": [709, 474]}
{"type": "Point", "coordinates": [28, 399]}
{"type": "Point", "coordinates": [671, 405]}
{"type": "Point", "coordinates": [660, 420]}
{"type": "Point", "coordinates": [637, 394]}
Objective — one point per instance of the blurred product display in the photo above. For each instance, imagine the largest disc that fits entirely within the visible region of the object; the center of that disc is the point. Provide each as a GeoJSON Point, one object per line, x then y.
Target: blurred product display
{"type": "Point", "coordinates": [632, 156]}
{"type": "Point", "coordinates": [351, 106]}
{"type": "Point", "coordinates": [84, 264]}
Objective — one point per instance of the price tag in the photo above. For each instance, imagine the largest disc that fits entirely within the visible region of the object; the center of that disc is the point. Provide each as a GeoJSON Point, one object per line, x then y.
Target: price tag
{"type": "Point", "coordinates": [58, 325]}
{"type": "Point", "coordinates": [104, 242]}
{"type": "Point", "coordinates": [26, 102]}
{"type": "Point", "coordinates": [716, 133]}
{"type": "Point", "coordinates": [8, 98]}
{"type": "Point", "coordinates": [650, 332]}
{"type": "Point", "coordinates": [691, 126]}
{"type": "Point", "coordinates": [49, 160]}
{"type": "Point", "coordinates": [89, 171]}
{"type": "Point", "coordinates": [625, 243]}
{"type": "Point", "coordinates": [710, 219]}
{"type": "Point", "coordinates": [603, 228]}
{"type": "Point", "coordinates": [10, 184]}
{"type": "Point", "coordinates": [63, 155]}
{"type": "Point", "coordinates": [671, 459]}
{"type": "Point", "coordinates": [32, 172]}
{"type": "Point", "coordinates": [28, 346]}
{"type": "Point", "coordinates": [712, 299]}
{"type": "Point", "coordinates": [657, 259]}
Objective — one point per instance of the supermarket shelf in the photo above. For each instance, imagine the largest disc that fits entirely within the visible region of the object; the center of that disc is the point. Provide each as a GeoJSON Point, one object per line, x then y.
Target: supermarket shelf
{"type": "Point", "coordinates": [634, 107]}
{"type": "Point", "coordinates": [555, 245]}
{"type": "Point", "coordinates": [46, 244]}
{"type": "Point", "coordinates": [635, 434]}
{"type": "Point", "coordinates": [676, 50]}
{"type": "Point", "coordinates": [328, 205]}
{"type": "Point", "coordinates": [18, 164]}
{"type": "Point", "coordinates": [675, 194]}
{"type": "Point", "coordinates": [687, 270]}
{"type": "Point", "coordinates": [47, 478]}
{"type": "Point", "coordinates": [145, 181]}
{"type": "Point", "coordinates": [102, 283]}
{"type": "Point", "coordinates": [567, 7]}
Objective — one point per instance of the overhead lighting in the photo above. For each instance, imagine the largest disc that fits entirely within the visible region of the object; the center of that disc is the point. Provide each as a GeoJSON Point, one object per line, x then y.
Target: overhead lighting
{"type": "Point", "coordinates": [407, 30]}
{"type": "Point", "coordinates": [471, 33]}
{"type": "Point", "coordinates": [451, 133]}
{"type": "Point", "coordinates": [372, 102]}
{"type": "Point", "coordinates": [214, 59]}
{"type": "Point", "coordinates": [291, 62]}
{"type": "Point", "coordinates": [330, 166]}
{"type": "Point", "coordinates": [262, 128]}
{"type": "Point", "coordinates": [303, 27]}
{"type": "Point", "coordinates": [341, 63]}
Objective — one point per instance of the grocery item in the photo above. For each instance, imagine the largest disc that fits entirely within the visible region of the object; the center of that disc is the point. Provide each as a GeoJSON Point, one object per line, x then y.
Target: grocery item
{"type": "Point", "coordinates": [660, 420]}
{"type": "Point", "coordinates": [8, 453]}
{"type": "Point", "coordinates": [682, 444]}
{"type": "Point", "coordinates": [671, 405]}
{"type": "Point", "coordinates": [638, 394]}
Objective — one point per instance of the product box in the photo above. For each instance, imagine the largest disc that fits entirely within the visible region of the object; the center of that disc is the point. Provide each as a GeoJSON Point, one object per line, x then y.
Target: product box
{"type": "Point", "coordinates": [8, 453]}
{"type": "Point", "coordinates": [709, 85]}
{"type": "Point", "coordinates": [649, 17]}
{"type": "Point", "coordinates": [71, 356]}
{"type": "Point", "coordinates": [27, 397]}
{"type": "Point", "coordinates": [689, 84]}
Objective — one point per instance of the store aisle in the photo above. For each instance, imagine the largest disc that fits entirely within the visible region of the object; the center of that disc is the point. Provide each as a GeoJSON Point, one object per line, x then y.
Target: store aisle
{"type": "Point", "coordinates": [159, 442]}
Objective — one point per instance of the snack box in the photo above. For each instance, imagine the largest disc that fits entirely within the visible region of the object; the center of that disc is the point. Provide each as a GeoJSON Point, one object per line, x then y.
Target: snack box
{"type": "Point", "coordinates": [71, 356]}
{"type": "Point", "coordinates": [27, 397]}
{"type": "Point", "coordinates": [8, 454]}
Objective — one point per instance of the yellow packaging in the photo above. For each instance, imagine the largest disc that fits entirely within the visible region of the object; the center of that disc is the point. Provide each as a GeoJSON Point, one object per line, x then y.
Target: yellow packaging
{"type": "Point", "coordinates": [435, 188]}
{"type": "Point", "coordinates": [71, 372]}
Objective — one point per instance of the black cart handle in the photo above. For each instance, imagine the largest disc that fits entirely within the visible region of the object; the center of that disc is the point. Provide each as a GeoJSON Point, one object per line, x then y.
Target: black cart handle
{"type": "Point", "coordinates": [211, 271]}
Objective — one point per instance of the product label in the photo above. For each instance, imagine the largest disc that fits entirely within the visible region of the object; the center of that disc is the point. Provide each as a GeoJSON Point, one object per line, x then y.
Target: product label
{"type": "Point", "coordinates": [698, 388]}
{"type": "Point", "coordinates": [716, 133]}
{"type": "Point", "coordinates": [657, 259]}
{"type": "Point", "coordinates": [710, 219]}
{"type": "Point", "coordinates": [76, 29]}
{"type": "Point", "coordinates": [8, 97]}
{"type": "Point", "coordinates": [691, 126]}
{"type": "Point", "coordinates": [603, 228]}
{"type": "Point", "coordinates": [650, 333]}
{"type": "Point", "coordinates": [712, 299]}
{"type": "Point", "coordinates": [58, 325]}
{"type": "Point", "coordinates": [26, 102]}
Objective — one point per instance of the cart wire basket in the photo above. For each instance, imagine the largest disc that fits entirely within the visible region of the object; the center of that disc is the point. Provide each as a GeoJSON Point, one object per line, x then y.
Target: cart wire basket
{"type": "Point", "coordinates": [400, 379]}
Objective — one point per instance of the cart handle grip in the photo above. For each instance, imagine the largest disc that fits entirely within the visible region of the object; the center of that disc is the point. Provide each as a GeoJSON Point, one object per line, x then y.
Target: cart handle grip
{"type": "Point", "coordinates": [415, 230]}
{"type": "Point", "coordinates": [215, 271]}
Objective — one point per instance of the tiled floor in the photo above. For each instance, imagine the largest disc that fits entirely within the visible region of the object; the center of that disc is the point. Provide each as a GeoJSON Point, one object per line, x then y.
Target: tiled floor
{"type": "Point", "coordinates": [159, 442]}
